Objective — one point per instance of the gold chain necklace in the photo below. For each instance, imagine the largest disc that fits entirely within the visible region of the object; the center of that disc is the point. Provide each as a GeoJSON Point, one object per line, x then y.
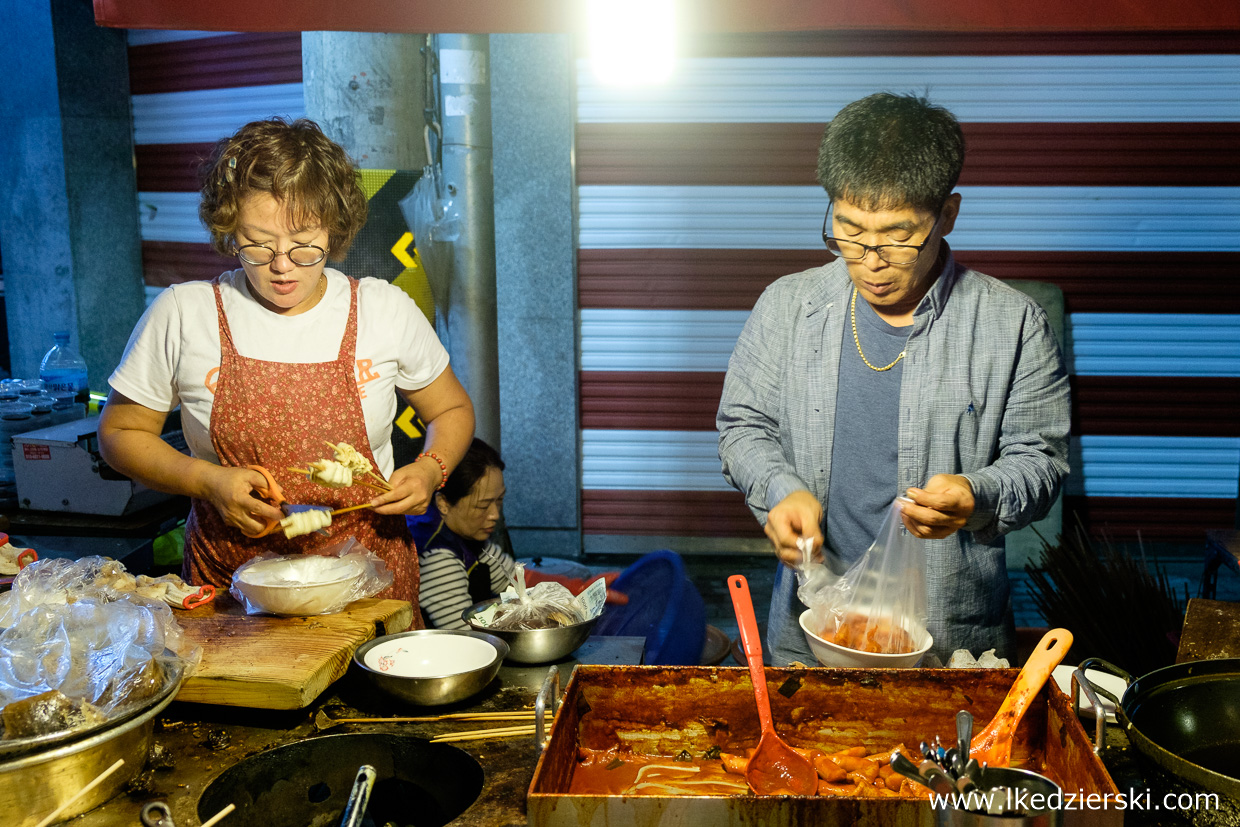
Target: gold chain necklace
{"type": "Point", "coordinates": [852, 313]}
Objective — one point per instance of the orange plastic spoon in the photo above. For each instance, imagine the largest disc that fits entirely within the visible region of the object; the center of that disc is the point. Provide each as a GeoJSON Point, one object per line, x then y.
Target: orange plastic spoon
{"type": "Point", "coordinates": [775, 768]}
{"type": "Point", "coordinates": [993, 745]}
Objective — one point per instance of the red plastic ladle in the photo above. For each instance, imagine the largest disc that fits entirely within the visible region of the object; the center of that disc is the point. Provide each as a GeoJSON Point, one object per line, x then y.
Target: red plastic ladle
{"type": "Point", "coordinates": [775, 768]}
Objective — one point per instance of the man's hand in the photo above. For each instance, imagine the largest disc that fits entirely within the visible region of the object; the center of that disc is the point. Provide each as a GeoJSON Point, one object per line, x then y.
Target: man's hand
{"type": "Point", "coordinates": [940, 509]}
{"type": "Point", "coordinates": [797, 515]}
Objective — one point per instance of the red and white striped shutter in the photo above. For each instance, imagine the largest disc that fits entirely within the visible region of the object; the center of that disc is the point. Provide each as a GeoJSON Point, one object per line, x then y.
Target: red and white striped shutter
{"type": "Point", "coordinates": [1108, 166]}
{"type": "Point", "coordinates": [188, 90]}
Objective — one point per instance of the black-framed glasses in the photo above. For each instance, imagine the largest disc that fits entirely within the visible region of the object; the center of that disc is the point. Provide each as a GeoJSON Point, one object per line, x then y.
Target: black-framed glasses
{"type": "Point", "coordinates": [303, 255]}
{"type": "Point", "coordinates": [890, 253]}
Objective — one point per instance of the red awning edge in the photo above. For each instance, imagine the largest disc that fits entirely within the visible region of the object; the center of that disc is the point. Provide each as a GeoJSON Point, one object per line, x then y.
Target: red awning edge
{"type": "Point", "coordinates": [714, 16]}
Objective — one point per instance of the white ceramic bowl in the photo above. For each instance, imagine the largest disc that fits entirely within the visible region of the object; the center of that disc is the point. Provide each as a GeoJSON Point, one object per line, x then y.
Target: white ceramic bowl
{"type": "Point", "coordinates": [435, 656]}
{"type": "Point", "coordinates": [832, 654]}
{"type": "Point", "coordinates": [299, 586]}
{"type": "Point", "coordinates": [429, 667]}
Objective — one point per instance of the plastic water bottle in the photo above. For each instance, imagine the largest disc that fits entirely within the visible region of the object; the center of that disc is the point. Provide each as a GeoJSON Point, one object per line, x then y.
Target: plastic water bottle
{"type": "Point", "coordinates": [63, 368]}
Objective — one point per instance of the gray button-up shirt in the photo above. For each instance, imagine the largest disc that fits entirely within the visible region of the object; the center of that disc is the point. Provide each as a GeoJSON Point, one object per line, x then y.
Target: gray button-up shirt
{"type": "Point", "coordinates": [984, 394]}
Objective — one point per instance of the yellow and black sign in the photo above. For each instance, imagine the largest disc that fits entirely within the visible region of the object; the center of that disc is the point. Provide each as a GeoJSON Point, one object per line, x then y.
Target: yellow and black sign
{"type": "Point", "coordinates": [384, 248]}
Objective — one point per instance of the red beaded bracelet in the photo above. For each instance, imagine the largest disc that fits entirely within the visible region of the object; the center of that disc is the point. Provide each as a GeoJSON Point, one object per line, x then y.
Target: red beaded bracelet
{"type": "Point", "coordinates": [443, 467]}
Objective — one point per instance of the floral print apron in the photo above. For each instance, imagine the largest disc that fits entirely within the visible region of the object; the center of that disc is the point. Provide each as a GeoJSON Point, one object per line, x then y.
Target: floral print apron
{"type": "Point", "coordinates": [282, 416]}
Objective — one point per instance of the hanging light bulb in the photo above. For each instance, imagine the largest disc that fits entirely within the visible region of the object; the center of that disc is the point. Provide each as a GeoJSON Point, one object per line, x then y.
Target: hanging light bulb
{"type": "Point", "coordinates": [631, 42]}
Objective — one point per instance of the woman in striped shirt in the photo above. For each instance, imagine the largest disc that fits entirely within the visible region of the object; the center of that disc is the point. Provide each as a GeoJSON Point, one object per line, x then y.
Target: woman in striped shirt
{"type": "Point", "coordinates": [460, 565]}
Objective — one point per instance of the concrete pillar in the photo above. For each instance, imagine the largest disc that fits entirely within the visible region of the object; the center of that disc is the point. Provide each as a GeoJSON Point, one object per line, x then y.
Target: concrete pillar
{"type": "Point", "coordinates": [367, 91]}
{"type": "Point", "coordinates": [68, 197]}
{"type": "Point", "coordinates": [532, 128]}
{"type": "Point", "coordinates": [470, 317]}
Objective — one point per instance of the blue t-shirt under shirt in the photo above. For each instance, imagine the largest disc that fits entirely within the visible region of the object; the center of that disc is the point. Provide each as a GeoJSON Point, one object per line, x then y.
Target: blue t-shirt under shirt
{"type": "Point", "coordinates": [867, 420]}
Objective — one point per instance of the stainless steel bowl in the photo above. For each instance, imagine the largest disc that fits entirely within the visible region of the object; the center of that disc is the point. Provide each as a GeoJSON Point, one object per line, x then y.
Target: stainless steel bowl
{"type": "Point", "coordinates": [535, 645]}
{"type": "Point", "coordinates": [439, 689]}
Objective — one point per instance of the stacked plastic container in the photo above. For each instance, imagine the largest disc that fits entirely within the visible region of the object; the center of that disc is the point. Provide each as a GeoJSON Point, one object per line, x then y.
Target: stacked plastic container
{"type": "Point", "coordinates": [59, 395]}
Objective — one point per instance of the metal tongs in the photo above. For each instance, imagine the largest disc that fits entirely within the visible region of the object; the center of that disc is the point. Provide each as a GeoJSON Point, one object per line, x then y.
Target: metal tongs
{"type": "Point", "coordinates": [945, 771]}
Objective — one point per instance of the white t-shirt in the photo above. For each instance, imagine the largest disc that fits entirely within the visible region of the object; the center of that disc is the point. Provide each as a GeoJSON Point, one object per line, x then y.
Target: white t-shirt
{"type": "Point", "coordinates": [173, 355]}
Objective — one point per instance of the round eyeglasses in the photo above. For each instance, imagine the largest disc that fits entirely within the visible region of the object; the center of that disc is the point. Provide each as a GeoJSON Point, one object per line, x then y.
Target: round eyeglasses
{"type": "Point", "coordinates": [890, 253]}
{"type": "Point", "coordinates": [303, 255]}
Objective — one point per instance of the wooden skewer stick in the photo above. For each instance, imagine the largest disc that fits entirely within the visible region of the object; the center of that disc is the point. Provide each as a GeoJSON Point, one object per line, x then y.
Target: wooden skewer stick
{"type": "Point", "coordinates": [55, 814]}
{"type": "Point", "coordinates": [502, 730]}
{"type": "Point", "coordinates": [382, 482]}
{"type": "Point", "coordinates": [482, 734]}
{"type": "Point", "coordinates": [347, 509]}
{"type": "Point", "coordinates": [460, 716]}
{"type": "Point", "coordinates": [213, 820]}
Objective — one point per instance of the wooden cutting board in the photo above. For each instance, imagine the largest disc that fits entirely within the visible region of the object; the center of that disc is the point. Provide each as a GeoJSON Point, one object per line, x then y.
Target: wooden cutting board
{"type": "Point", "coordinates": [279, 662]}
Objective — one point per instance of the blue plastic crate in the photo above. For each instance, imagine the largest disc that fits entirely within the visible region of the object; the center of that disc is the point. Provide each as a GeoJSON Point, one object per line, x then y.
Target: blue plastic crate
{"type": "Point", "coordinates": [664, 607]}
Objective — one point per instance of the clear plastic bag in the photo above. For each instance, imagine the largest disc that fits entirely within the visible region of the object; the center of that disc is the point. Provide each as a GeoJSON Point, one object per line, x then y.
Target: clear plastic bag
{"type": "Point", "coordinates": [65, 631]}
{"type": "Point", "coordinates": [879, 603]}
{"type": "Point", "coordinates": [61, 581]}
{"type": "Point", "coordinates": [434, 218]}
{"type": "Point", "coordinates": [545, 605]}
{"type": "Point", "coordinates": [302, 585]}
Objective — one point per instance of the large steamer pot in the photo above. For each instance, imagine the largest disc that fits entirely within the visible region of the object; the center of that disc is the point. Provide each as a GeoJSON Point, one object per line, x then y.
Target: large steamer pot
{"type": "Point", "coordinates": [33, 785]}
{"type": "Point", "coordinates": [1185, 718]}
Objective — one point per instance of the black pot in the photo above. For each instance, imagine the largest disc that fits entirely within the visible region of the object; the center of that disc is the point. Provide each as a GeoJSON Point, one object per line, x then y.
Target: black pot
{"type": "Point", "coordinates": [1185, 718]}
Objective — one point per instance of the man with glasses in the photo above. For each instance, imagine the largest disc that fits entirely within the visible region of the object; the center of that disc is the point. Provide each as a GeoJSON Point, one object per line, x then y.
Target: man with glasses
{"type": "Point", "coordinates": [893, 371]}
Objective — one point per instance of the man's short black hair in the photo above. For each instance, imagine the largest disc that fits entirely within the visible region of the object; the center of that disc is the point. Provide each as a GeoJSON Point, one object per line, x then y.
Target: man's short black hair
{"type": "Point", "coordinates": [889, 151]}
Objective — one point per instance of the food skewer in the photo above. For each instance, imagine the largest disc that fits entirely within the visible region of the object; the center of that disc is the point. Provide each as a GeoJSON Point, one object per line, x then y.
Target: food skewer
{"type": "Point", "coordinates": [369, 470]}
{"type": "Point", "coordinates": [309, 472]}
{"type": "Point", "coordinates": [304, 519]}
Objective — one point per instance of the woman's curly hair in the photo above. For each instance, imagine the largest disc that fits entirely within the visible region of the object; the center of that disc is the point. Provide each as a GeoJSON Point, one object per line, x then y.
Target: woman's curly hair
{"type": "Point", "coordinates": [299, 166]}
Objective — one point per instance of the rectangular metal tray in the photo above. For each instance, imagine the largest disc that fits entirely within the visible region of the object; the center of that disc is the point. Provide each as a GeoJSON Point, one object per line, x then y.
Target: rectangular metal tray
{"type": "Point", "coordinates": [662, 710]}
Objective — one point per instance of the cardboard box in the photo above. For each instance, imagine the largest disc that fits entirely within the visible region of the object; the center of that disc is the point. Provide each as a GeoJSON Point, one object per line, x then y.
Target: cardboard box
{"type": "Point", "coordinates": [59, 469]}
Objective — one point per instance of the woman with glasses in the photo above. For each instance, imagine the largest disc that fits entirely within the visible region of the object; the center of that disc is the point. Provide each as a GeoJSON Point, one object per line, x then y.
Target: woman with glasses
{"type": "Point", "coordinates": [275, 359]}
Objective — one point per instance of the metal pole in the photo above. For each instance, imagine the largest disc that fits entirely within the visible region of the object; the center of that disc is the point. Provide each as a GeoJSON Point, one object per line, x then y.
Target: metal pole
{"type": "Point", "coordinates": [465, 86]}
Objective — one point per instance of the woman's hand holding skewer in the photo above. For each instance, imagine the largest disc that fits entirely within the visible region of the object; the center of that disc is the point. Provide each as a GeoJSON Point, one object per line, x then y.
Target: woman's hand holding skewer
{"type": "Point", "coordinates": [413, 485]}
